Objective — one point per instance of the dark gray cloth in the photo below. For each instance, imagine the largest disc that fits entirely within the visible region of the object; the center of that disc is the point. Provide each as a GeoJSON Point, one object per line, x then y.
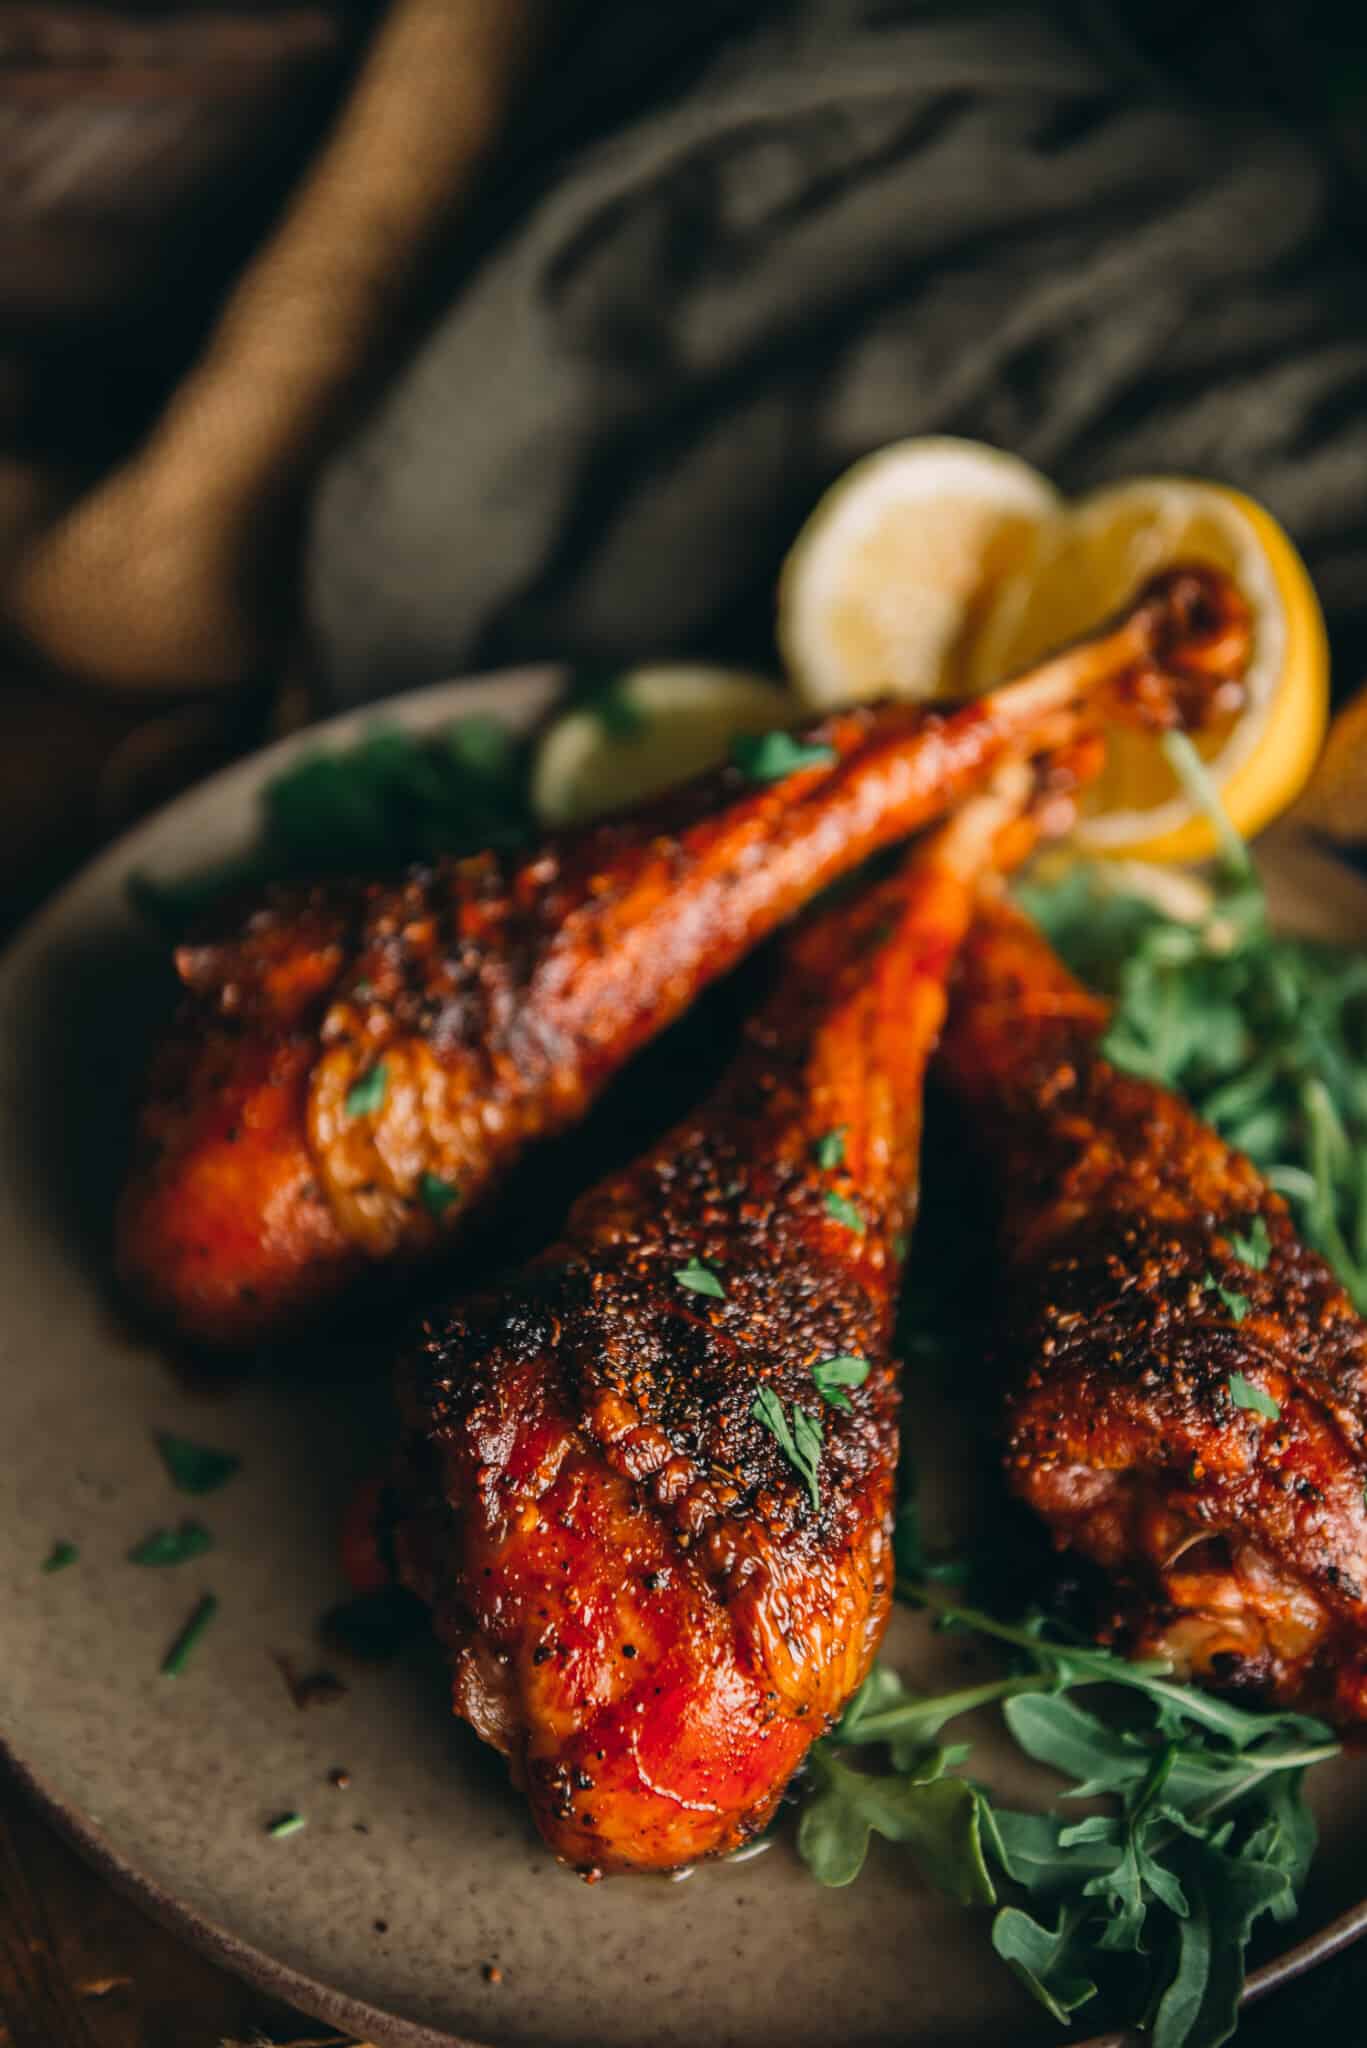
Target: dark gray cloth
{"type": "Point", "coordinates": [826, 225]}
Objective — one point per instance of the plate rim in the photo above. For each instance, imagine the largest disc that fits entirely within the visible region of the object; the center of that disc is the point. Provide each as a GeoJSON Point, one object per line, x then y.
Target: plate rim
{"type": "Point", "coordinates": [418, 709]}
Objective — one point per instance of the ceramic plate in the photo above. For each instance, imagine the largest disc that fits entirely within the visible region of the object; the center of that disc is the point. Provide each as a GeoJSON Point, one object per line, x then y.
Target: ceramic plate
{"type": "Point", "coordinates": [388, 1911]}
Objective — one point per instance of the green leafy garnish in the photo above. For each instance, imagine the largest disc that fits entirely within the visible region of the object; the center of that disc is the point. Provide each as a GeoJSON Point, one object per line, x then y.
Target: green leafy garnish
{"type": "Point", "coordinates": [1245, 1394]}
{"type": "Point", "coordinates": [196, 1468]}
{"type": "Point", "coordinates": [1151, 1902]}
{"type": "Point", "coordinates": [935, 1816]}
{"type": "Point", "coordinates": [1238, 1304]}
{"type": "Point", "coordinates": [799, 1441]}
{"type": "Point", "coordinates": [172, 1546]}
{"type": "Point", "coordinates": [833, 1374]}
{"type": "Point", "coordinates": [60, 1556]}
{"type": "Point", "coordinates": [1252, 1247]}
{"type": "Point", "coordinates": [437, 1195]}
{"type": "Point", "coordinates": [604, 697]}
{"type": "Point", "coordinates": [844, 1211]}
{"type": "Point", "coordinates": [390, 798]}
{"type": "Point", "coordinates": [769, 756]}
{"type": "Point", "coordinates": [1266, 1036]}
{"type": "Point", "coordinates": [700, 1279]}
{"type": "Point", "coordinates": [285, 1824]}
{"type": "Point", "coordinates": [367, 1095]}
{"type": "Point", "coordinates": [178, 1656]}
{"type": "Point", "coordinates": [829, 1150]}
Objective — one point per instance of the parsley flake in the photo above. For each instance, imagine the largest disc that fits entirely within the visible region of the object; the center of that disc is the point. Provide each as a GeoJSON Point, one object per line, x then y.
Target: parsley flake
{"type": "Point", "coordinates": [437, 1195]}
{"type": "Point", "coordinates": [1238, 1304]}
{"type": "Point", "coordinates": [800, 1441]}
{"type": "Point", "coordinates": [700, 1279]}
{"type": "Point", "coordinates": [178, 1656]}
{"type": "Point", "coordinates": [60, 1556]}
{"type": "Point", "coordinates": [285, 1824]}
{"type": "Point", "coordinates": [831, 1375]}
{"type": "Point", "coordinates": [844, 1211]}
{"type": "Point", "coordinates": [1244, 1394]}
{"type": "Point", "coordinates": [196, 1468]}
{"type": "Point", "coordinates": [172, 1546]}
{"type": "Point", "coordinates": [365, 1096]}
{"type": "Point", "coordinates": [769, 756]}
{"type": "Point", "coordinates": [1254, 1246]}
{"type": "Point", "coordinates": [830, 1149]}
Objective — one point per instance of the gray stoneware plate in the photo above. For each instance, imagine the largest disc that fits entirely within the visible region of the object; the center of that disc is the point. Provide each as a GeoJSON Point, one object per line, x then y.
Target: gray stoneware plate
{"type": "Point", "coordinates": [383, 1914]}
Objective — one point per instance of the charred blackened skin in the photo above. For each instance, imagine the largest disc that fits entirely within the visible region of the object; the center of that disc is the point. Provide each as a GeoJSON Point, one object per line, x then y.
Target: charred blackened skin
{"type": "Point", "coordinates": [1236, 1539]}
{"type": "Point", "coordinates": [643, 1603]}
{"type": "Point", "coordinates": [357, 1065]}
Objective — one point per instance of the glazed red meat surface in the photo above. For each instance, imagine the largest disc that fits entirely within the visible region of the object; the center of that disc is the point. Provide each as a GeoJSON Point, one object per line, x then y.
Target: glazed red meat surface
{"type": "Point", "coordinates": [357, 1065]}
{"type": "Point", "coordinates": [1185, 1411]}
{"type": "Point", "coordinates": [647, 1604]}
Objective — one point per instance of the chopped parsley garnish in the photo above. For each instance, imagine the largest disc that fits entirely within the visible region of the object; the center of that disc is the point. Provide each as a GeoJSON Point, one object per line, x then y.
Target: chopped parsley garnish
{"type": "Point", "coordinates": [831, 1375]}
{"type": "Point", "coordinates": [1238, 1304]}
{"type": "Point", "coordinates": [285, 1824]}
{"type": "Point", "coordinates": [830, 1149]}
{"type": "Point", "coordinates": [437, 1195]}
{"type": "Point", "coordinates": [172, 1546]}
{"type": "Point", "coordinates": [700, 1279]}
{"type": "Point", "coordinates": [178, 1656]}
{"type": "Point", "coordinates": [367, 1095]}
{"type": "Point", "coordinates": [196, 1468]}
{"type": "Point", "coordinates": [1252, 1247]}
{"type": "Point", "coordinates": [769, 756]}
{"type": "Point", "coordinates": [60, 1556]}
{"type": "Point", "coordinates": [799, 1441]}
{"type": "Point", "coordinates": [1245, 1394]}
{"type": "Point", "coordinates": [844, 1211]}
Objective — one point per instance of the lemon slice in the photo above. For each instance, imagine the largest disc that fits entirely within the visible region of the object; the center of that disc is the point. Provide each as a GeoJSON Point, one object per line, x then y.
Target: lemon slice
{"type": "Point", "coordinates": [648, 729]}
{"type": "Point", "coordinates": [891, 580]}
{"type": "Point", "coordinates": [1259, 760]}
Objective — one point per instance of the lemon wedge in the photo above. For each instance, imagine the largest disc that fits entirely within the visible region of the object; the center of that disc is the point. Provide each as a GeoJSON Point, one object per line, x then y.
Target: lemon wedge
{"type": "Point", "coordinates": [892, 579]}
{"type": "Point", "coordinates": [1259, 760]}
{"type": "Point", "coordinates": [646, 730]}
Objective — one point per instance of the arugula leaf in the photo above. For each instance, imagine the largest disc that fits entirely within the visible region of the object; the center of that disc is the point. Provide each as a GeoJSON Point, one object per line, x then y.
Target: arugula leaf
{"type": "Point", "coordinates": [829, 1150]}
{"type": "Point", "coordinates": [196, 1468]}
{"type": "Point", "coordinates": [883, 1710]}
{"type": "Point", "coordinates": [61, 1555]}
{"type": "Point", "coordinates": [1042, 1957]}
{"type": "Point", "coordinates": [1228, 1893]}
{"type": "Point", "coordinates": [769, 756]}
{"type": "Point", "coordinates": [1266, 1036]}
{"type": "Point", "coordinates": [936, 1817]}
{"type": "Point", "coordinates": [832, 1374]}
{"type": "Point", "coordinates": [1152, 1900]}
{"type": "Point", "coordinates": [700, 1279]}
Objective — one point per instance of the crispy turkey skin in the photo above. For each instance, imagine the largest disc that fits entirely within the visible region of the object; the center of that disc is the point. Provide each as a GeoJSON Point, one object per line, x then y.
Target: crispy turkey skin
{"type": "Point", "coordinates": [357, 1065]}
{"type": "Point", "coordinates": [1185, 1399]}
{"type": "Point", "coordinates": [648, 1605]}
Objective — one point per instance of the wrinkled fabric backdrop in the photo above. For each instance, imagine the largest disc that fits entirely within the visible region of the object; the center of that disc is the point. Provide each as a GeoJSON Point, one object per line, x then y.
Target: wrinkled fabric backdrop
{"type": "Point", "coordinates": [725, 255]}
